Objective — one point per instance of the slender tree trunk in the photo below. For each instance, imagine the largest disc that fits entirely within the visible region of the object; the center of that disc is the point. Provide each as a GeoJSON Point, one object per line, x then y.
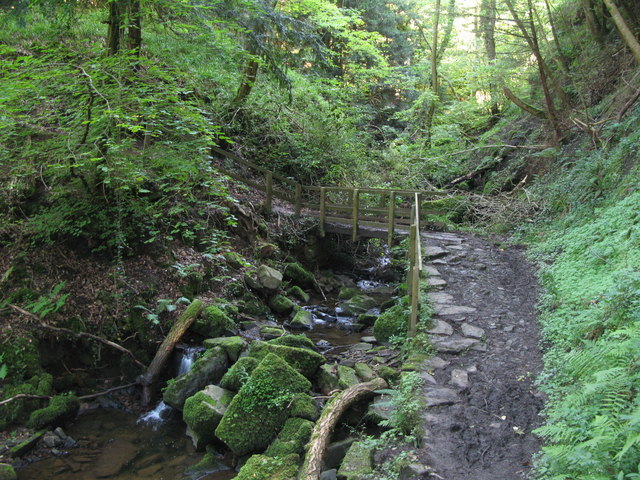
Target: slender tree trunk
{"type": "Point", "coordinates": [487, 31]}
{"type": "Point", "coordinates": [434, 72]}
{"type": "Point", "coordinates": [115, 26]}
{"type": "Point", "coordinates": [249, 79]}
{"type": "Point", "coordinates": [561, 56]}
{"type": "Point", "coordinates": [135, 27]}
{"type": "Point", "coordinates": [625, 32]}
{"type": "Point", "coordinates": [590, 16]}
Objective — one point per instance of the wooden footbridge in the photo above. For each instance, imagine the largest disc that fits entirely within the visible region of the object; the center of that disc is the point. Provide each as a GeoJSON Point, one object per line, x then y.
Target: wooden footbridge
{"type": "Point", "coordinates": [360, 212]}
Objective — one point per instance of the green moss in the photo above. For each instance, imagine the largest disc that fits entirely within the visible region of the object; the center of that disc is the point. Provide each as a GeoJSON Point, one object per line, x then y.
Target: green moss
{"type": "Point", "coordinates": [303, 406]}
{"type": "Point", "coordinates": [234, 346]}
{"type": "Point", "coordinates": [302, 320]}
{"type": "Point", "coordinates": [261, 467]}
{"type": "Point", "coordinates": [292, 438]}
{"type": "Point", "coordinates": [299, 294]}
{"type": "Point", "coordinates": [298, 341]}
{"type": "Point", "coordinates": [203, 412]}
{"type": "Point", "coordinates": [260, 408]}
{"type": "Point", "coordinates": [252, 305]}
{"type": "Point", "coordinates": [20, 353]}
{"type": "Point", "coordinates": [270, 332]}
{"type": "Point", "coordinates": [392, 323]}
{"type": "Point", "coordinates": [61, 408]}
{"type": "Point", "coordinates": [213, 323]}
{"type": "Point", "coordinates": [297, 275]}
{"type": "Point", "coordinates": [357, 463]}
{"type": "Point", "coordinates": [302, 359]}
{"type": "Point", "coordinates": [347, 377]}
{"type": "Point", "coordinates": [19, 410]}
{"type": "Point", "coordinates": [358, 304]}
{"type": "Point", "coordinates": [347, 293]}
{"type": "Point", "coordinates": [364, 372]}
{"type": "Point", "coordinates": [238, 374]}
{"type": "Point", "coordinates": [387, 373]}
{"type": "Point", "coordinates": [281, 304]}
{"type": "Point", "coordinates": [7, 472]}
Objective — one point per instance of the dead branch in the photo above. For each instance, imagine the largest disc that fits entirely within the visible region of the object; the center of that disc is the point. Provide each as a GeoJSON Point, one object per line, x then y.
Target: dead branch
{"type": "Point", "coordinates": [25, 395]}
{"type": "Point", "coordinates": [330, 415]}
{"type": "Point", "coordinates": [106, 392]}
{"type": "Point", "coordinates": [67, 331]}
{"type": "Point", "coordinates": [83, 397]}
{"type": "Point", "coordinates": [628, 105]}
{"type": "Point", "coordinates": [535, 111]}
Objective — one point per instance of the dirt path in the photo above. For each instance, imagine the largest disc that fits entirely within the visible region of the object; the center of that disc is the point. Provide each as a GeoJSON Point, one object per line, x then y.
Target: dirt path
{"type": "Point", "coordinates": [482, 401]}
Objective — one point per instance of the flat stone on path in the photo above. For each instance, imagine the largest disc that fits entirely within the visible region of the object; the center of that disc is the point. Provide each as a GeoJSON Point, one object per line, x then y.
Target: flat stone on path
{"type": "Point", "coordinates": [440, 297]}
{"type": "Point", "coordinates": [453, 344]}
{"type": "Point", "coordinates": [436, 363]}
{"type": "Point", "coordinates": [452, 309]}
{"type": "Point", "coordinates": [432, 270]}
{"type": "Point", "coordinates": [435, 252]}
{"type": "Point", "coordinates": [472, 331]}
{"type": "Point", "coordinates": [459, 378]}
{"type": "Point", "coordinates": [441, 396]}
{"type": "Point", "coordinates": [441, 328]}
{"type": "Point", "coordinates": [436, 282]}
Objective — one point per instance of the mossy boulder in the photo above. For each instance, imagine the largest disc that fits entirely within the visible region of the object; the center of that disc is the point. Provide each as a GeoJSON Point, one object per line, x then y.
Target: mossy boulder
{"type": "Point", "coordinates": [269, 332]}
{"type": "Point", "coordinates": [388, 373]}
{"type": "Point", "coordinates": [234, 346]}
{"type": "Point", "coordinates": [252, 305]}
{"type": "Point", "coordinates": [261, 467]}
{"type": "Point", "coordinates": [61, 409]}
{"type": "Point", "coordinates": [281, 304]}
{"type": "Point", "coordinates": [202, 414]}
{"type": "Point", "coordinates": [357, 463]}
{"type": "Point", "coordinates": [347, 377]}
{"type": "Point", "coordinates": [303, 360]}
{"type": "Point", "coordinates": [392, 323]}
{"type": "Point", "coordinates": [292, 438]}
{"type": "Point", "coordinates": [328, 379]}
{"type": "Point", "coordinates": [206, 370]}
{"type": "Point", "coordinates": [302, 320]}
{"type": "Point", "coordinates": [7, 472]}
{"type": "Point", "coordinates": [258, 412]}
{"type": "Point", "coordinates": [347, 293]}
{"type": "Point", "coordinates": [358, 304]}
{"type": "Point", "coordinates": [234, 260]}
{"type": "Point", "coordinates": [364, 372]}
{"type": "Point", "coordinates": [238, 374]}
{"type": "Point", "coordinates": [299, 294]}
{"type": "Point", "coordinates": [298, 275]}
{"type": "Point", "coordinates": [19, 410]}
{"type": "Point", "coordinates": [367, 319]}
{"type": "Point", "coordinates": [269, 278]}
{"type": "Point", "coordinates": [299, 341]}
{"type": "Point", "coordinates": [214, 322]}
{"type": "Point", "coordinates": [303, 406]}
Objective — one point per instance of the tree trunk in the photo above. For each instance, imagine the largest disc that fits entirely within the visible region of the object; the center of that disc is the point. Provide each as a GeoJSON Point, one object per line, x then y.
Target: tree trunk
{"type": "Point", "coordinates": [590, 16]}
{"type": "Point", "coordinates": [135, 27]}
{"type": "Point", "coordinates": [536, 112]}
{"type": "Point", "coordinates": [332, 412]}
{"type": "Point", "coordinates": [115, 26]}
{"type": "Point", "coordinates": [434, 72]}
{"type": "Point", "coordinates": [249, 79]}
{"type": "Point", "coordinates": [561, 56]}
{"type": "Point", "coordinates": [625, 32]}
{"type": "Point", "coordinates": [487, 31]}
{"type": "Point", "coordinates": [166, 348]}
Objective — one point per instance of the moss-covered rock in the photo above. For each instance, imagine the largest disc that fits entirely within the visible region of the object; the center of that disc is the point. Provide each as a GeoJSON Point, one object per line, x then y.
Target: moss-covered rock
{"type": "Point", "coordinates": [299, 294]}
{"type": "Point", "coordinates": [357, 463]}
{"type": "Point", "coordinates": [292, 438]}
{"type": "Point", "coordinates": [298, 341]}
{"type": "Point", "coordinates": [234, 260]}
{"type": "Point", "coordinates": [19, 410]}
{"type": "Point", "coordinates": [387, 373]}
{"type": "Point", "coordinates": [269, 332]}
{"type": "Point", "coordinates": [202, 414]}
{"type": "Point", "coordinates": [367, 319]}
{"type": "Point", "coordinates": [297, 275]}
{"type": "Point", "coordinates": [347, 377]}
{"type": "Point", "coordinates": [214, 322]}
{"type": "Point", "coordinates": [261, 407]}
{"type": "Point", "coordinates": [347, 293]}
{"type": "Point", "coordinates": [234, 346]}
{"type": "Point", "coordinates": [303, 406]}
{"type": "Point", "coordinates": [252, 305]}
{"type": "Point", "coordinates": [302, 359]}
{"type": "Point", "coordinates": [302, 320]}
{"type": "Point", "coordinates": [364, 372]}
{"type": "Point", "coordinates": [358, 304]}
{"type": "Point", "coordinates": [261, 467]}
{"type": "Point", "coordinates": [328, 379]}
{"type": "Point", "coordinates": [238, 374]}
{"type": "Point", "coordinates": [7, 472]}
{"type": "Point", "coordinates": [206, 370]}
{"type": "Point", "coordinates": [61, 409]}
{"type": "Point", "coordinates": [391, 323]}
{"type": "Point", "coordinates": [281, 304]}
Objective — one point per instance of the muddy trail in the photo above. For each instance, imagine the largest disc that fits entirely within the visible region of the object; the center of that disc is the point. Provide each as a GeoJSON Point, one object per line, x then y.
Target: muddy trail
{"type": "Point", "coordinates": [479, 386]}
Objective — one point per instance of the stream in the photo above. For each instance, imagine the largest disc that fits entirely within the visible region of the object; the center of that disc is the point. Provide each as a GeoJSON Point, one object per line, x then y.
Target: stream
{"type": "Point", "coordinates": [114, 443]}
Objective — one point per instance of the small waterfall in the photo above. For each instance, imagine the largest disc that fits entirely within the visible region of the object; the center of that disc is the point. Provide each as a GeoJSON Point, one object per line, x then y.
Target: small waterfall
{"type": "Point", "coordinates": [162, 411]}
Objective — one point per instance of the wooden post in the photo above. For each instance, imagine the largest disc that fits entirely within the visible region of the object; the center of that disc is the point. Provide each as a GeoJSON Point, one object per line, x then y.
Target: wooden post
{"type": "Point", "coordinates": [269, 199]}
{"type": "Point", "coordinates": [323, 200]}
{"type": "Point", "coordinates": [415, 297]}
{"type": "Point", "coordinates": [418, 200]}
{"type": "Point", "coordinates": [392, 219]}
{"type": "Point", "coordinates": [356, 208]}
{"type": "Point", "coordinates": [298, 199]}
{"type": "Point", "coordinates": [382, 199]}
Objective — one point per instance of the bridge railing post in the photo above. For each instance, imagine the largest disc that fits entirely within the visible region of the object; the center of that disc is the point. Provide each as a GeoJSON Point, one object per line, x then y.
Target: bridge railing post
{"type": "Point", "coordinates": [392, 218]}
{"type": "Point", "coordinates": [355, 213]}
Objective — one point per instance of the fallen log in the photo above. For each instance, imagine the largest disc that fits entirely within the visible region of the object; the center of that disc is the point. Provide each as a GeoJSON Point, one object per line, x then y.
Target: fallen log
{"type": "Point", "coordinates": [312, 466]}
{"type": "Point", "coordinates": [164, 351]}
